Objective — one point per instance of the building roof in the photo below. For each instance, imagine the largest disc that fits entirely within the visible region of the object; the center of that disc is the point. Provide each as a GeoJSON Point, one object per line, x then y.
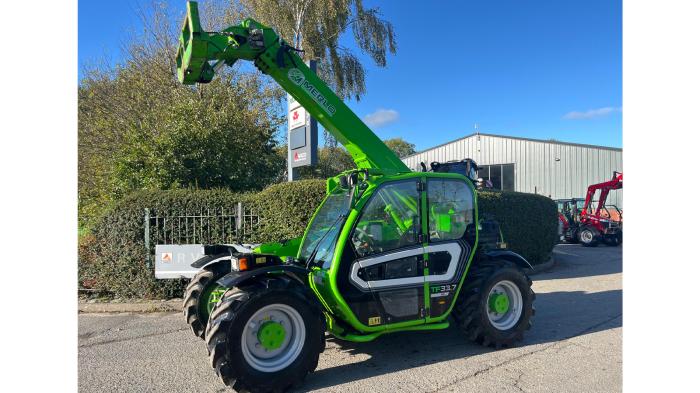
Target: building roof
{"type": "Point", "coordinates": [552, 141]}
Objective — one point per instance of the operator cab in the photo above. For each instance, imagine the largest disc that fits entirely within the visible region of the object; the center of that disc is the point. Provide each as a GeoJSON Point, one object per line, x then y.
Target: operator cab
{"type": "Point", "coordinates": [405, 237]}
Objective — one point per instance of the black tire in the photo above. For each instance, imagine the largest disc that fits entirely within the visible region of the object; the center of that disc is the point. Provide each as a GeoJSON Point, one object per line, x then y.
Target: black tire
{"type": "Point", "coordinates": [588, 236]}
{"type": "Point", "coordinates": [231, 316]}
{"type": "Point", "coordinates": [612, 241]}
{"type": "Point", "coordinates": [470, 311]}
{"type": "Point", "coordinates": [202, 283]}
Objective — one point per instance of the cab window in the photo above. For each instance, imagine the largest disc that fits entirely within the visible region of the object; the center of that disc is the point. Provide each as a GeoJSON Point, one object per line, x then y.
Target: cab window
{"type": "Point", "coordinates": [390, 220]}
{"type": "Point", "coordinates": [450, 209]}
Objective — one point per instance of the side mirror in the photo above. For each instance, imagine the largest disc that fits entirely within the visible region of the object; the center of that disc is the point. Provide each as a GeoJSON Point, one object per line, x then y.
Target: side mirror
{"type": "Point", "coordinates": [352, 179]}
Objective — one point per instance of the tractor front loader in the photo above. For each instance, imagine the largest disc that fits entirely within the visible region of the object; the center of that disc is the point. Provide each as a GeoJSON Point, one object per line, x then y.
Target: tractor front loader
{"type": "Point", "coordinates": [597, 225]}
{"type": "Point", "coordinates": [387, 250]}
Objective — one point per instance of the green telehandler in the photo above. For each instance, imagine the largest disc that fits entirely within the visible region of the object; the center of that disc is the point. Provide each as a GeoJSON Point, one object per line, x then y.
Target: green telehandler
{"type": "Point", "coordinates": [387, 250]}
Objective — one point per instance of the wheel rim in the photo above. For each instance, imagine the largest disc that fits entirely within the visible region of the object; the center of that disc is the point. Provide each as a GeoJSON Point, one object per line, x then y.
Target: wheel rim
{"type": "Point", "coordinates": [273, 337]}
{"type": "Point", "coordinates": [505, 305]}
{"type": "Point", "coordinates": [209, 298]}
{"type": "Point", "coordinates": [586, 236]}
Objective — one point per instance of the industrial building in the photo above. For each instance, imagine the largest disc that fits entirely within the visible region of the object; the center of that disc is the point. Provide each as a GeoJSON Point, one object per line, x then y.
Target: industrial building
{"type": "Point", "coordinates": [547, 167]}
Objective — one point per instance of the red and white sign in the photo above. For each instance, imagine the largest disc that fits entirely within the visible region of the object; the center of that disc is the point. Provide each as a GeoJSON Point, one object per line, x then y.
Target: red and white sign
{"type": "Point", "coordinates": [299, 156]}
{"type": "Point", "coordinates": [297, 118]}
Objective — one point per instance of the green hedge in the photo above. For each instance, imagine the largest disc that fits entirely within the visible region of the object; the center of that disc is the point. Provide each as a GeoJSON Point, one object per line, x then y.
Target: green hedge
{"type": "Point", "coordinates": [286, 208]}
{"type": "Point", "coordinates": [528, 221]}
{"type": "Point", "coordinates": [112, 257]}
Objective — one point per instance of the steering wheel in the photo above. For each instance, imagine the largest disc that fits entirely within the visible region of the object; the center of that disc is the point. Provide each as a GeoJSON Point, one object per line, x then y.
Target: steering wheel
{"type": "Point", "coordinates": [364, 242]}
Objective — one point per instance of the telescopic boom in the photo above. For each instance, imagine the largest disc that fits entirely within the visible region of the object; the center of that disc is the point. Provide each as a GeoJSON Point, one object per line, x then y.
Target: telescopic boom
{"type": "Point", "coordinates": [201, 53]}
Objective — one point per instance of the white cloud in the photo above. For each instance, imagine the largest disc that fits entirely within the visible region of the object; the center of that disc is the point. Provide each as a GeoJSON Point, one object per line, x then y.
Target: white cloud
{"type": "Point", "coordinates": [381, 117]}
{"type": "Point", "coordinates": [592, 113]}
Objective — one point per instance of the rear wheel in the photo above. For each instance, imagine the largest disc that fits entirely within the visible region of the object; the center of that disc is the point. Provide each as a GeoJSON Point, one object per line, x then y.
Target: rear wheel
{"type": "Point", "coordinates": [613, 240]}
{"type": "Point", "coordinates": [588, 237]}
{"type": "Point", "coordinates": [265, 337]}
{"type": "Point", "coordinates": [495, 306]}
{"type": "Point", "coordinates": [202, 294]}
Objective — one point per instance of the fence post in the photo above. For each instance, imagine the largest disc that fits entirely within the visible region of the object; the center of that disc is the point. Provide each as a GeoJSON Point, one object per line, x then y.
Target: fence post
{"type": "Point", "coordinates": [239, 216]}
{"type": "Point", "coordinates": [147, 235]}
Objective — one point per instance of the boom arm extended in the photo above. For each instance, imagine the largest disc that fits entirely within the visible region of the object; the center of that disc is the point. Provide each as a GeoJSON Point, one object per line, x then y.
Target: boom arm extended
{"type": "Point", "coordinates": [201, 53]}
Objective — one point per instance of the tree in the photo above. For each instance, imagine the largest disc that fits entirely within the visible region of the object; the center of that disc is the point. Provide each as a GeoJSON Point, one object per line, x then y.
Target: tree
{"type": "Point", "coordinates": [316, 26]}
{"type": "Point", "coordinates": [139, 128]}
{"type": "Point", "coordinates": [401, 147]}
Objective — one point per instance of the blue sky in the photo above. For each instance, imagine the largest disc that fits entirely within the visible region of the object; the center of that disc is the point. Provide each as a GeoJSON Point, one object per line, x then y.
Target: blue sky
{"type": "Point", "coordinates": [537, 69]}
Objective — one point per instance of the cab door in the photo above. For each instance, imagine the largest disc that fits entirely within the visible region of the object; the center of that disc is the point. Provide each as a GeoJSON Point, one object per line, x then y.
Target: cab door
{"type": "Point", "coordinates": [389, 253]}
{"type": "Point", "coordinates": [450, 222]}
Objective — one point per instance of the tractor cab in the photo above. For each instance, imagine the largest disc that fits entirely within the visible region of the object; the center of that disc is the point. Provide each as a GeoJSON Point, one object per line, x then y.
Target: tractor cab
{"type": "Point", "coordinates": [570, 209]}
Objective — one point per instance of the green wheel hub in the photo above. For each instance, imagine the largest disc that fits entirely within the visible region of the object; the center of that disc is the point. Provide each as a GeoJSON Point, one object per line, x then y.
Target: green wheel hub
{"type": "Point", "coordinates": [209, 298]}
{"type": "Point", "coordinates": [499, 303]}
{"type": "Point", "coordinates": [271, 335]}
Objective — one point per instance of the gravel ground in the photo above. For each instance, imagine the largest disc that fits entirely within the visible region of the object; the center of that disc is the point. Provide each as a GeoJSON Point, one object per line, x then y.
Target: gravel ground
{"type": "Point", "coordinates": [575, 345]}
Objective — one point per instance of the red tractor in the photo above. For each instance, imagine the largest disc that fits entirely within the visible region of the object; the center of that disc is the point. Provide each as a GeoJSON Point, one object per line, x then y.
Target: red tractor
{"type": "Point", "coordinates": [589, 226]}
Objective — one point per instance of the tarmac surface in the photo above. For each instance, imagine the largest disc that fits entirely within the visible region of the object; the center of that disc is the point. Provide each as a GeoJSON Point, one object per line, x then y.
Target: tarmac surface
{"type": "Point", "coordinates": [575, 345]}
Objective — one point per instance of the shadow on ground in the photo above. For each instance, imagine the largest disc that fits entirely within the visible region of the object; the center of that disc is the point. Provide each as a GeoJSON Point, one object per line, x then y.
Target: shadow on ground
{"type": "Point", "coordinates": [560, 315]}
{"type": "Point", "coordinates": [574, 261]}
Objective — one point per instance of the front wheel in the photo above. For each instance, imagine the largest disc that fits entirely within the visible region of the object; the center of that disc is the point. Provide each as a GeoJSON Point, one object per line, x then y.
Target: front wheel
{"type": "Point", "coordinates": [588, 237]}
{"type": "Point", "coordinates": [265, 337]}
{"type": "Point", "coordinates": [495, 307]}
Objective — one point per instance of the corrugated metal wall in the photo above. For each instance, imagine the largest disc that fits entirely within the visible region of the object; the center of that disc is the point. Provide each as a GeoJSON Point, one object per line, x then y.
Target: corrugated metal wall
{"type": "Point", "coordinates": [536, 167]}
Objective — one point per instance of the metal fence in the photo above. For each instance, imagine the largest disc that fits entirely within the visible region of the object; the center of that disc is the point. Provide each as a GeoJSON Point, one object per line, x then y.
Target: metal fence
{"type": "Point", "coordinates": [206, 226]}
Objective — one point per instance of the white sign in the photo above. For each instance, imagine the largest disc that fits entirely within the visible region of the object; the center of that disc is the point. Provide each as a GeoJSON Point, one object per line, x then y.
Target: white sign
{"type": "Point", "coordinates": [292, 103]}
{"type": "Point", "coordinates": [297, 118]}
{"type": "Point", "coordinates": [174, 260]}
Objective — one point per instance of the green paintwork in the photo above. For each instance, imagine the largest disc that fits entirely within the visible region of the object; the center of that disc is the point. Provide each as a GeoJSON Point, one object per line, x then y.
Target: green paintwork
{"type": "Point", "coordinates": [499, 303]}
{"type": "Point", "coordinates": [289, 248]}
{"type": "Point", "coordinates": [271, 335]}
{"type": "Point", "coordinates": [198, 55]}
{"type": "Point", "coordinates": [372, 336]}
